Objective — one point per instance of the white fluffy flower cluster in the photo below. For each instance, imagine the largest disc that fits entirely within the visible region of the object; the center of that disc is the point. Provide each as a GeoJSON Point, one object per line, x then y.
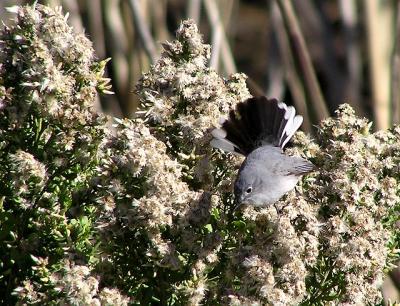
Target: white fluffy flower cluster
{"type": "Point", "coordinates": [28, 176]}
{"type": "Point", "coordinates": [331, 224]}
{"type": "Point", "coordinates": [182, 91]}
{"type": "Point", "coordinates": [356, 193]}
{"type": "Point", "coordinates": [54, 67]}
{"type": "Point", "coordinates": [75, 284]}
{"type": "Point", "coordinates": [135, 152]}
{"type": "Point", "coordinates": [334, 230]}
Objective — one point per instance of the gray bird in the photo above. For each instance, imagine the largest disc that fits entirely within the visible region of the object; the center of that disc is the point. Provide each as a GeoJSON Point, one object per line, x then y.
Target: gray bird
{"type": "Point", "coordinates": [259, 129]}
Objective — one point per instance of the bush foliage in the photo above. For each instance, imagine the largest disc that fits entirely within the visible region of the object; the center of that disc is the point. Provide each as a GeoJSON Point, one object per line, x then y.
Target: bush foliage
{"type": "Point", "coordinates": [140, 212]}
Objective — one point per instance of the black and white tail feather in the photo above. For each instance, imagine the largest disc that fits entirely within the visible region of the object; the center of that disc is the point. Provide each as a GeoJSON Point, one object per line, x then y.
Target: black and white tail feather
{"type": "Point", "coordinates": [258, 121]}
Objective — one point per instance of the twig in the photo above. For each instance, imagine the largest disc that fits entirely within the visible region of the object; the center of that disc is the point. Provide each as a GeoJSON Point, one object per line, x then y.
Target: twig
{"type": "Point", "coordinates": [72, 7]}
{"type": "Point", "coordinates": [225, 16]}
{"type": "Point", "coordinates": [95, 26]}
{"type": "Point", "coordinates": [395, 77]}
{"type": "Point", "coordinates": [293, 79]}
{"type": "Point", "coordinates": [303, 59]}
{"type": "Point", "coordinates": [158, 11]}
{"type": "Point", "coordinates": [193, 10]}
{"type": "Point", "coordinates": [226, 12]}
{"type": "Point", "coordinates": [216, 47]}
{"type": "Point", "coordinates": [143, 30]}
{"type": "Point", "coordinates": [378, 18]}
{"type": "Point", "coordinates": [321, 46]}
{"type": "Point", "coordinates": [116, 49]}
{"type": "Point", "coordinates": [348, 10]}
{"type": "Point", "coordinates": [216, 24]}
{"type": "Point", "coordinates": [275, 66]}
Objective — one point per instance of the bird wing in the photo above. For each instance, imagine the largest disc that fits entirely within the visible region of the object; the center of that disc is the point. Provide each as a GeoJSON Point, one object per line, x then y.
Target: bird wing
{"type": "Point", "coordinates": [276, 162]}
{"type": "Point", "coordinates": [293, 165]}
{"type": "Point", "coordinates": [303, 167]}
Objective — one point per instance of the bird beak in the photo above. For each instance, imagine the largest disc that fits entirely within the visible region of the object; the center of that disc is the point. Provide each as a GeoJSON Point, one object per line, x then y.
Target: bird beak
{"type": "Point", "coordinates": [237, 206]}
{"type": "Point", "coordinates": [238, 202]}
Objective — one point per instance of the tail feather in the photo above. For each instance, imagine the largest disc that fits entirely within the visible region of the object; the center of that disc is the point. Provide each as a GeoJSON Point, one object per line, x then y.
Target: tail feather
{"type": "Point", "coordinates": [256, 122]}
{"type": "Point", "coordinates": [236, 131]}
{"type": "Point", "coordinates": [287, 135]}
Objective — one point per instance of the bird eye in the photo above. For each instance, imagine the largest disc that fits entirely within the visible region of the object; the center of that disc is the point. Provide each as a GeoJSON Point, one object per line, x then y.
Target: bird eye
{"type": "Point", "coordinates": [249, 190]}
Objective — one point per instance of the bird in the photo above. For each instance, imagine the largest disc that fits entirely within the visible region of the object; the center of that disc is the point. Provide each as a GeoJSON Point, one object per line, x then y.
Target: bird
{"type": "Point", "coordinates": [259, 128]}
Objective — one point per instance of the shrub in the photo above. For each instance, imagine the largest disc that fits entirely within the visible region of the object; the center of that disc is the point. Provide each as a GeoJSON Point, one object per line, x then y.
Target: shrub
{"type": "Point", "coordinates": [141, 212]}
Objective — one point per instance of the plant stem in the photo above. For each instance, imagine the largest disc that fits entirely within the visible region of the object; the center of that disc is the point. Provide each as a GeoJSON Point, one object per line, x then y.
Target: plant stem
{"type": "Point", "coordinates": [302, 55]}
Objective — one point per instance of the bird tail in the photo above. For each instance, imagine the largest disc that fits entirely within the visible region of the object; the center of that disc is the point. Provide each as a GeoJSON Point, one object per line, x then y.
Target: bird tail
{"type": "Point", "coordinates": [256, 122]}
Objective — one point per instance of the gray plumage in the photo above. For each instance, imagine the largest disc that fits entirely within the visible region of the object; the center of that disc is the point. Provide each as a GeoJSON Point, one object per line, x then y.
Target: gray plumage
{"type": "Point", "coordinates": [260, 129]}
